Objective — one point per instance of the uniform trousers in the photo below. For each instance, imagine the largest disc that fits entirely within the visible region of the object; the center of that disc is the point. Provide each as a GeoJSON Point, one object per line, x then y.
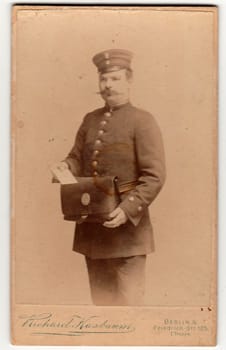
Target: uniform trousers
{"type": "Point", "coordinates": [117, 281]}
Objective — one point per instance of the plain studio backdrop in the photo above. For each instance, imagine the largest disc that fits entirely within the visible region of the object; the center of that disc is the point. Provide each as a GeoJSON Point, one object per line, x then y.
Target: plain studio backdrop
{"type": "Point", "coordinates": [55, 85]}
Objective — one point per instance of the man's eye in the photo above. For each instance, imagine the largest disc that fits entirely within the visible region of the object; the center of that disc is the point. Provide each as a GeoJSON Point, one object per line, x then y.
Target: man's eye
{"type": "Point", "coordinates": [115, 78]}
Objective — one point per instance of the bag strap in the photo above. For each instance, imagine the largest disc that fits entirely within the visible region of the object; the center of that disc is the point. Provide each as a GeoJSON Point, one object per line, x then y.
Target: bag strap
{"type": "Point", "coordinates": [127, 186]}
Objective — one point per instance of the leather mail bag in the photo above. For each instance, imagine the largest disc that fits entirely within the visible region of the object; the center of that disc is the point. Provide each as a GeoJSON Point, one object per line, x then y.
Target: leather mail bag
{"type": "Point", "coordinates": [92, 199]}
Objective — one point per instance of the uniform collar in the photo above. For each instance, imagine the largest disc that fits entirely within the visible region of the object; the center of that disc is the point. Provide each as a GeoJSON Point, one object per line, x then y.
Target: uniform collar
{"type": "Point", "coordinates": [118, 107]}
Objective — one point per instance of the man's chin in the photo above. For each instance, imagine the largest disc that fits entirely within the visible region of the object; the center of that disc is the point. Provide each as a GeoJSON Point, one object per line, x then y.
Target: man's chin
{"type": "Point", "coordinates": [110, 99]}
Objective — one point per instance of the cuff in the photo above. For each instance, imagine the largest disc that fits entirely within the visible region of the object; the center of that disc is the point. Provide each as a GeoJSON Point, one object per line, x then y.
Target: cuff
{"type": "Point", "coordinates": [54, 180]}
{"type": "Point", "coordinates": [133, 208]}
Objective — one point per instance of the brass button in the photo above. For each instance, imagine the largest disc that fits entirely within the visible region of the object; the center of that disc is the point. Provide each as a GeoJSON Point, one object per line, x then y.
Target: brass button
{"type": "Point", "coordinates": [101, 132]}
{"type": "Point", "coordinates": [96, 152]}
{"type": "Point", "coordinates": [94, 163]}
{"type": "Point", "coordinates": [131, 199]}
{"type": "Point", "coordinates": [107, 114]}
{"type": "Point", "coordinates": [103, 122]}
{"type": "Point", "coordinates": [95, 173]}
{"type": "Point", "coordinates": [98, 142]}
{"type": "Point", "coordinates": [140, 208]}
{"type": "Point", "coordinates": [83, 217]}
{"type": "Point", "coordinates": [85, 199]}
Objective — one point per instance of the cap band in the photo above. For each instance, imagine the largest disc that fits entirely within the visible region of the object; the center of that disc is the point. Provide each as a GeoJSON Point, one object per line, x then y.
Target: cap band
{"type": "Point", "coordinates": [112, 60]}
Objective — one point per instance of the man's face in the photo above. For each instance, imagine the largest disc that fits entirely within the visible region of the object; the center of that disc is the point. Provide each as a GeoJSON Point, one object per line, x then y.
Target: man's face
{"type": "Point", "coordinates": [114, 87]}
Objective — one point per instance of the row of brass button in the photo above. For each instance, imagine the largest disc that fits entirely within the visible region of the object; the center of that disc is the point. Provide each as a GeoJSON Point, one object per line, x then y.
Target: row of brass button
{"type": "Point", "coordinates": [98, 143]}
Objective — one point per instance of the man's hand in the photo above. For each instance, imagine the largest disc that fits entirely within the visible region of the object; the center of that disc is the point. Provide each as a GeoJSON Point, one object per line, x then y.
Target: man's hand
{"type": "Point", "coordinates": [118, 217]}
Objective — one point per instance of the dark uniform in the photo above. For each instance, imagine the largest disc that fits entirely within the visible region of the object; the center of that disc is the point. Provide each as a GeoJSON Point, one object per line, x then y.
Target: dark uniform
{"type": "Point", "coordinates": [125, 142]}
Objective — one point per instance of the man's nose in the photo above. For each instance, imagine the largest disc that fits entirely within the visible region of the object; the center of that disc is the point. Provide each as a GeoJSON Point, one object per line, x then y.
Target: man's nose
{"type": "Point", "coordinates": [108, 84]}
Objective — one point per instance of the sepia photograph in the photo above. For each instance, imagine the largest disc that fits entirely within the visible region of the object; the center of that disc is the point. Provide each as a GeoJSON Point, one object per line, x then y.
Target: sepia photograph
{"type": "Point", "coordinates": [117, 146]}
{"type": "Point", "coordinates": [114, 175]}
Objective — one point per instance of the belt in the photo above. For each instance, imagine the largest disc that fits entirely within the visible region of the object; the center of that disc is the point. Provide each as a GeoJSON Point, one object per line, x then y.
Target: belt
{"type": "Point", "coordinates": [127, 186]}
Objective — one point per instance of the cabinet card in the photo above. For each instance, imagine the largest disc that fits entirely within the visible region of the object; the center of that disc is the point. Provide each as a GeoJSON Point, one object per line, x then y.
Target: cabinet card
{"type": "Point", "coordinates": [120, 92]}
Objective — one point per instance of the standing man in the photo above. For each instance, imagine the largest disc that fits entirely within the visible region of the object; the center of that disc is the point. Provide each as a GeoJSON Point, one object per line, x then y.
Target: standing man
{"type": "Point", "coordinates": [124, 141]}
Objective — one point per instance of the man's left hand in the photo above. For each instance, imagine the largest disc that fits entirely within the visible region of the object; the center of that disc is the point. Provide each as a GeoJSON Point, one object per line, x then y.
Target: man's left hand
{"type": "Point", "coordinates": [118, 217]}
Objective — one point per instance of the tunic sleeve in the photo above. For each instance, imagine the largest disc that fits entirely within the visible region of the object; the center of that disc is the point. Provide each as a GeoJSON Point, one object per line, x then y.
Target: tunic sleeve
{"type": "Point", "coordinates": [74, 158]}
{"type": "Point", "coordinates": [151, 168]}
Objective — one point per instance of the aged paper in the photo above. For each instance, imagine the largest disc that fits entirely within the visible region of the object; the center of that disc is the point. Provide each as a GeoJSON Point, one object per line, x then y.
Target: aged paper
{"type": "Point", "coordinates": [54, 85]}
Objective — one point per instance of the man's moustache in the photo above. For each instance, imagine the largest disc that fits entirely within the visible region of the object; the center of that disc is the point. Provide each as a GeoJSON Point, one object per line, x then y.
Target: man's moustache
{"type": "Point", "coordinates": [106, 92]}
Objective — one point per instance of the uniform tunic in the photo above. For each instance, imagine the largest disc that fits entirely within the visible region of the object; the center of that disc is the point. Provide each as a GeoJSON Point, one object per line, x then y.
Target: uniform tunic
{"type": "Point", "coordinates": [126, 143]}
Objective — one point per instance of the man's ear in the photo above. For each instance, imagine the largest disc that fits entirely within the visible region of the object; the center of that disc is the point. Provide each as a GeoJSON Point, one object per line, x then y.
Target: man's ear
{"type": "Point", "coordinates": [129, 76]}
{"type": "Point", "coordinates": [130, 79]}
